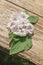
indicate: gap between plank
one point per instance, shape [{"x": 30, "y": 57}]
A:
[{"x": 24, "y": 8}]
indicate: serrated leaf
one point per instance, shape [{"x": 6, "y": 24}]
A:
[
  {"x": 33, "y": 19},
  {"x": 21, "y": 46}
]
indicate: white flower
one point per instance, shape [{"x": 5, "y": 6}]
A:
[
  {"x": 30, "y": 28},
  {"x": 19, "y": 24},
  {"x": 23, "y": 16}
]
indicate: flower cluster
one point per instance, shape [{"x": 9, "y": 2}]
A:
[{"x": 20, "y": 25}]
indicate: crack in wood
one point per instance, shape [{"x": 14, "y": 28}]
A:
[{"x": 24, "y": 8}]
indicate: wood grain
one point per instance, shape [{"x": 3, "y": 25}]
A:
[
  {"x": 35, "y": 6},
  {"x": 35, "y": 54}
]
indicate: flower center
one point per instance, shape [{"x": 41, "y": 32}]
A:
[{"x": 23, "y": 16}]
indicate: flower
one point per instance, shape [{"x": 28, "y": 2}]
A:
[{"x": 20, "y": 25}]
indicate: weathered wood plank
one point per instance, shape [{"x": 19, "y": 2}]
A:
[
  {"x": 35, "y": 54},
  {"x": 35, "y": 6}
]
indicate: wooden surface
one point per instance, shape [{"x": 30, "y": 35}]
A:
[
  {"x": 35, "y": 54},
  {"x": 35, "y": 6}
]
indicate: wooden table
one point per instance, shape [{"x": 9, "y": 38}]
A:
[{"x": 35, "y": 7}]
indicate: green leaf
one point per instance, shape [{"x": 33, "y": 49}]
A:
[
  {"x": 26, "y": 11},
  {"x": 10, "y": 34},
  {"x": 29, "y": 44},
  {"x": 33, "y": 19},
  {"x": 21, "y": 45},
  {"x": 12, "y": 37}
]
